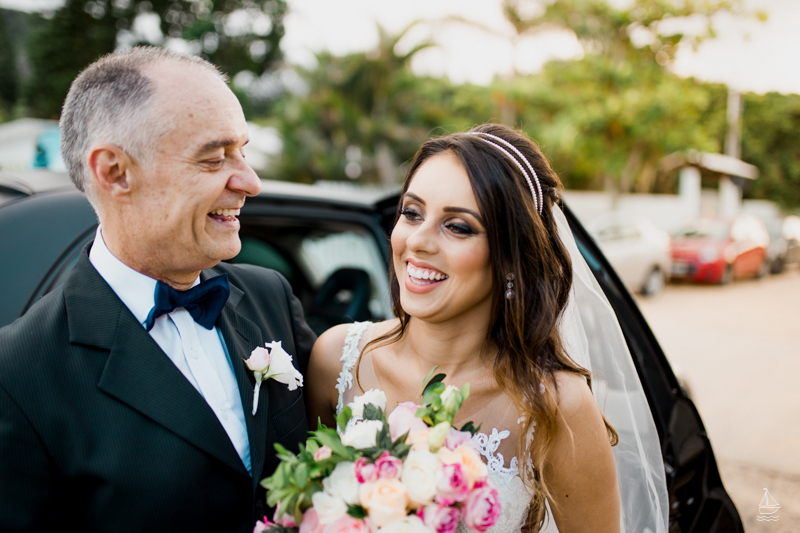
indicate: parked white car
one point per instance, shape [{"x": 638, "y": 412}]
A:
[{"x": 636, "y": 248}]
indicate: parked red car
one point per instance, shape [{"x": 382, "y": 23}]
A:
[{"x": 718, "y": 251}]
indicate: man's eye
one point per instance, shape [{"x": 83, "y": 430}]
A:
[{"x": 214, "y": 162}]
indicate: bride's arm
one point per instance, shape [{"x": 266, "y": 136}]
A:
[
  {"x": 580, "y": 472},
  {"x": 324, "y": 366}
]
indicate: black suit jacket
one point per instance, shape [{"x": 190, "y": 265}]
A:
[{"x": 99, "y": 431}]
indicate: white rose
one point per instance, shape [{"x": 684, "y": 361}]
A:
[
  {"x": 408, "y": 524},
  {"x": 419, "y": 475},
  {"x": 281, "y": 368},
  {"x": 329, "y": 508},
  {"x": 362, "y": 435},
  {"x": 448, "y": 397},
  {"x": 374, "y": 396},
  {"x": 343, "y": 483}
]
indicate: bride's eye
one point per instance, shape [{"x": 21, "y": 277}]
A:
[
  {"x": 410, "y": 214},
  {"x": 460, "y": 228}
]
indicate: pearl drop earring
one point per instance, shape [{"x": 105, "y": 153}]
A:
[{"x": 510, "y": 285}]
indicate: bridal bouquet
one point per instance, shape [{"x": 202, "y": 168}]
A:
[{"x": 410, "y": 472}]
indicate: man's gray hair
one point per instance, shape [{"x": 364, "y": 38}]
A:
[{"x": 109, "y": 102}]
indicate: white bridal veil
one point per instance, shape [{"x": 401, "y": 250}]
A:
[{"x": 593, "y": 339}]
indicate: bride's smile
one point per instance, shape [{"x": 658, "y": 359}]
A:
[{"x": 440, "y": 248}]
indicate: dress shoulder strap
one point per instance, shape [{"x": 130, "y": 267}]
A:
[{"x": 350, "y": 353}]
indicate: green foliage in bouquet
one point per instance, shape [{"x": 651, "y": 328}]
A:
[
  {"x": 441, "y": 403},
  {"x": 299, "y": 476}
]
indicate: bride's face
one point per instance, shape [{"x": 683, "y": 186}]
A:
[{"x": 440, "y": 248}]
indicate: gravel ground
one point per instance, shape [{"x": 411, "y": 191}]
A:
[{"x": 738, "y": 350}]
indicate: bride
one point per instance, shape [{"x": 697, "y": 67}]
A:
[{"x": 488, "y": 285}]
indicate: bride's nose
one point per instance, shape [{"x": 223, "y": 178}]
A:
[{"x": 423, "y": 239}]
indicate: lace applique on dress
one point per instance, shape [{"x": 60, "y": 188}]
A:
[
  {"x": 488, "y": 445},
  {"x": 348, "y": 359},
  {"x": 515, "y": 497}
]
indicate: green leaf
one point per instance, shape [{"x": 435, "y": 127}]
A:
[
  {"x": 301, "y": 475},
  {"x": 344, "y": 417},
  {"x": 434, "y": 381},
  {"x": 356, "y": 511},
  {"x": 426, "y": 381},
  {"x": 330, "y": 438},
  {"x": 470, "y": 426},
  {"x": 373, "y": 412}
]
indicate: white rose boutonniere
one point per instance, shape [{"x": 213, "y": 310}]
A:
[{"x": 272, "y": 362}]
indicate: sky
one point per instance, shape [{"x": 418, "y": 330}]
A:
[{"x": 747, "y": 54}]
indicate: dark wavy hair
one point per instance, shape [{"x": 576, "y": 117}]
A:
[{"x": 524, "y": 328}]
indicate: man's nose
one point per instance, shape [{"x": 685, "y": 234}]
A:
[{"x": 245, "y": 180}]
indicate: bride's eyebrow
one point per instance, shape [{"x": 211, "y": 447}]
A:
[
  {"x": 463, "y": 210},
  {"x": 446, "y": 209},
  {"x": 413, "y": 197}
]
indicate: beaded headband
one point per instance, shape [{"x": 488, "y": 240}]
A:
[{"x": 538, "y": 201}]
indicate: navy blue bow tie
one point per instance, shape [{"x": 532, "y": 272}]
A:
[{"x": 204, "y": 301}]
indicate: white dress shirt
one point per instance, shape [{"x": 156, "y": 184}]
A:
[{"x": 200, "y": 354}]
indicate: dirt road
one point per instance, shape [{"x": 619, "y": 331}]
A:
[{"x": 738, "y": 349}]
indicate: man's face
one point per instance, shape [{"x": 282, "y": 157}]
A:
[{"x": 184, "y": 209}]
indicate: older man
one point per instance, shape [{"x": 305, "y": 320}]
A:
[{"x": 125, "y": 402}]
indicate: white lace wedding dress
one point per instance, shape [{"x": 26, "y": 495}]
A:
[{"x": 515, "y": 497}]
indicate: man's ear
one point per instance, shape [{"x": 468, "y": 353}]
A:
[{"x": 111, "y": 170}]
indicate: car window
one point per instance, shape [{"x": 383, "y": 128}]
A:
[{"x": 336, "y": 269}]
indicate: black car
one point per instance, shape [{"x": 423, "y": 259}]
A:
[{"x": 332, "y": 245}]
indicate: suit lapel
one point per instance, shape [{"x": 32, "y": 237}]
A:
[
  {"x": 242, "y": 337},
  {"x": 137, "y": 371}
]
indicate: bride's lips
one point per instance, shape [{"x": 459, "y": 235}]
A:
[{"x": 421, "y": 278}]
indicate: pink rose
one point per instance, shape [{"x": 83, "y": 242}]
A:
[
  {"x": 365, "y": 471},
  {"x": 388, "y": 467},
  {"x": 286, "y": 520},
  {"x": 347, "y": 524},
  {"x": 262, "y": 526},
  {"x": 482, "y": 508},
  {"x": 323, "y": 453},
  {"x": 310, "y": 522},
  {"x": 456, "y": 438},
  {"x": 452, "y": 484},
  {"x": 402, "y": 420},
  {"x": 440, "y": 518}
]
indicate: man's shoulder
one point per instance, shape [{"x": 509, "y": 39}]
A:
[{"x": 42, "y": 327}]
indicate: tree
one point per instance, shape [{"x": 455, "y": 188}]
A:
[
  {"x": 608, "y": 117},
  {"x": 361, "y": 118},
  {"x": 8, "y": 69},
  {"x": 770, "y": 129},
  {"x": 236, "y": 35}
]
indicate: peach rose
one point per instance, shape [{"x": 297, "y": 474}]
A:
[
  {"x": 384, "y": 499},
  {"x": 347, "y": 524}
]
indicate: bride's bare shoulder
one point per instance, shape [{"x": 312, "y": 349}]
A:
[
  {"x": 326, "y": 356},
  {"x": 573, "y": 393}
]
